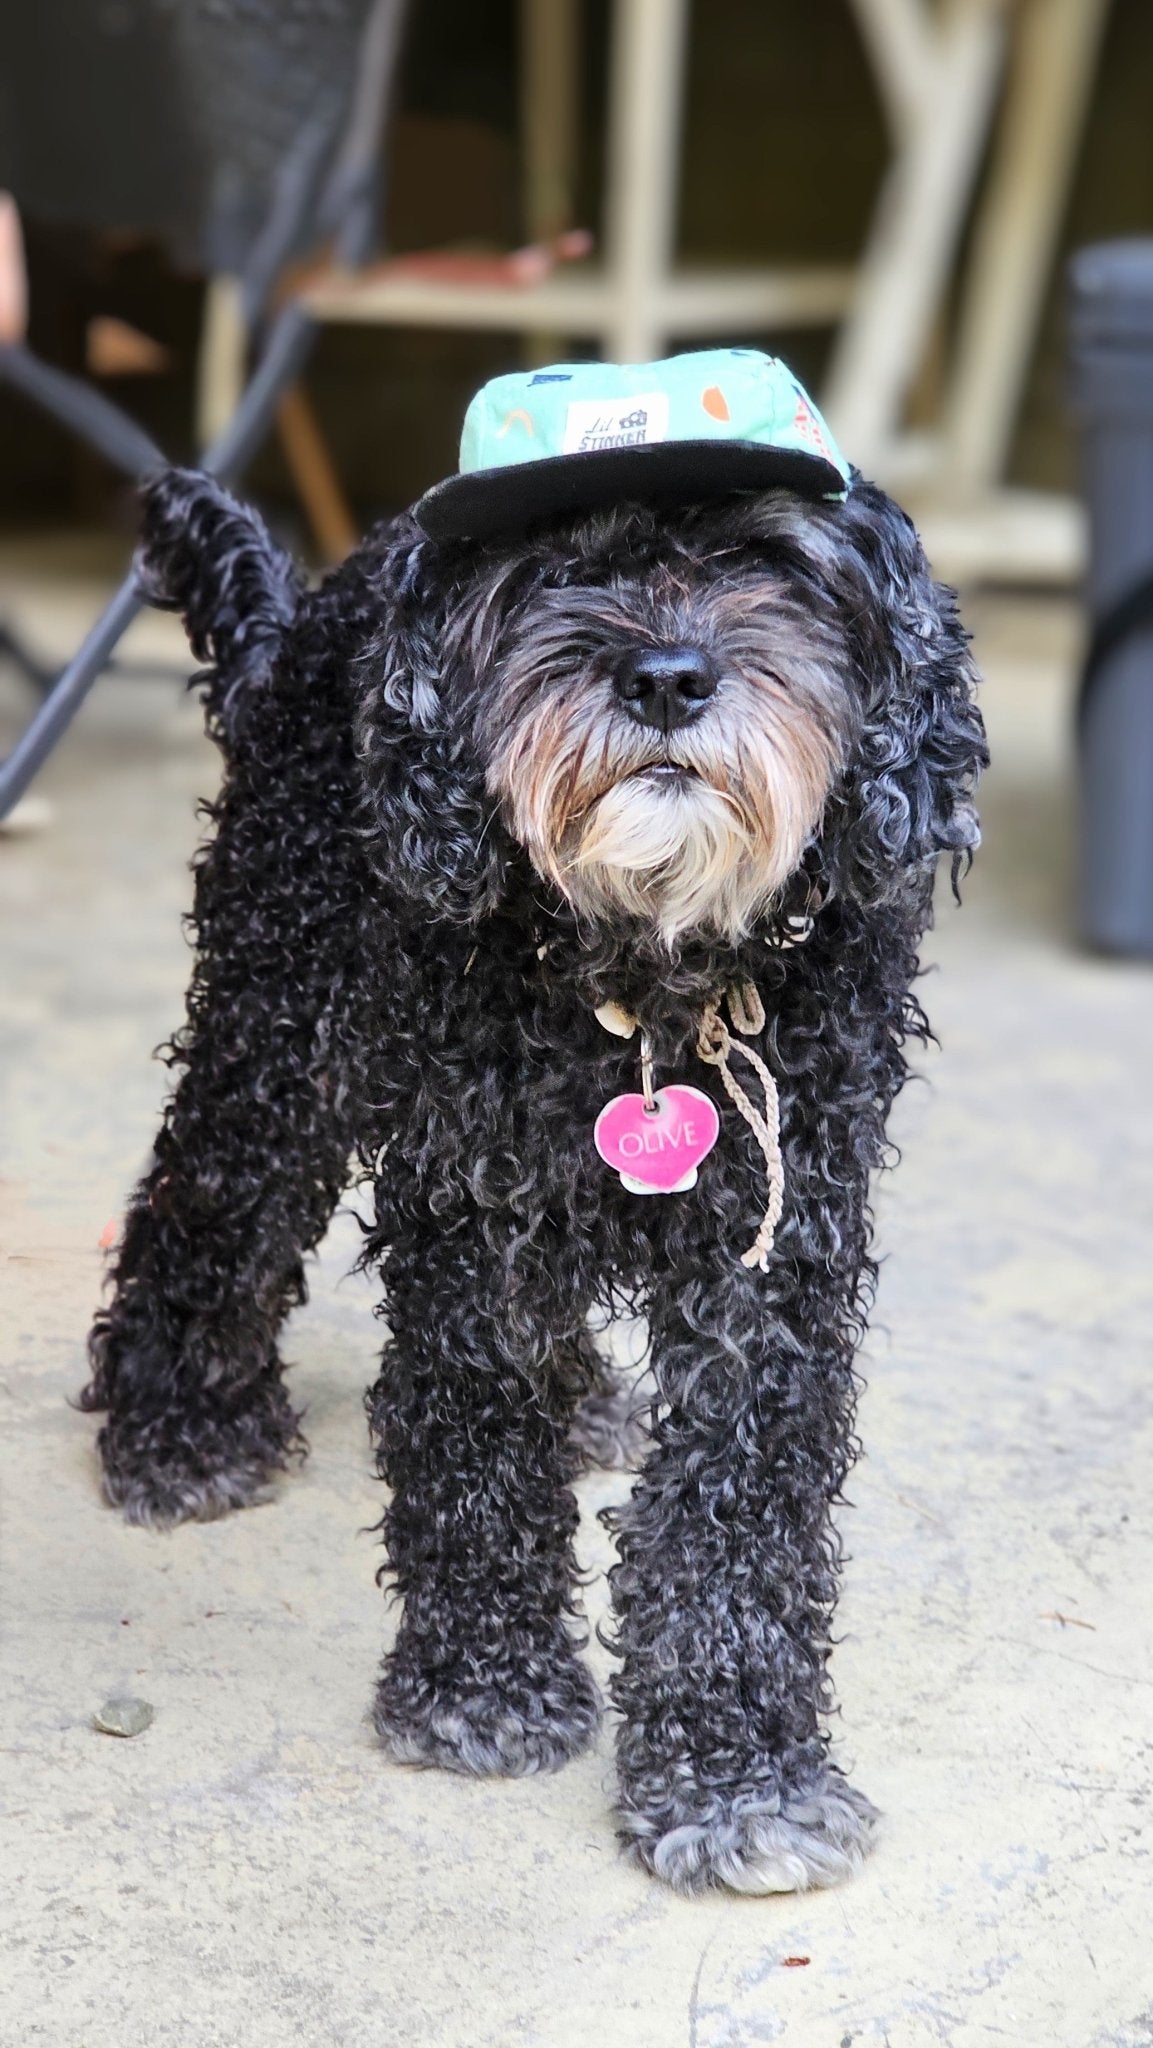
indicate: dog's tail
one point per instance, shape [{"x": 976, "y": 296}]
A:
[{"x": 204, "y": 554}]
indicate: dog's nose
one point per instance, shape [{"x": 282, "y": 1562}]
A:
[{"x": 665, "y": 686}]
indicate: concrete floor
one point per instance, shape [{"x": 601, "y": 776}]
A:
[{"x": 251, "y": 1871}]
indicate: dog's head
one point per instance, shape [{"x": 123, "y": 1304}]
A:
[{"x": 671, "y": 711}]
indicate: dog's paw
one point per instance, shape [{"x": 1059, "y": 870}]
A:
[
  {"x": 506, "y": 1726},
  {"x": 167, "y": 1492},
  {"x": 758, "y": 1841},
  {"x": 159, "y": 1471}
]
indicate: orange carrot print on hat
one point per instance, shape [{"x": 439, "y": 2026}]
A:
[{"x": 715, "y": 403}]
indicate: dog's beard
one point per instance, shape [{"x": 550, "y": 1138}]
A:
[
  {"x": 695, "y": 841},
  {"x": 679, "y": 854},
  {"x": 696, "y": 831}
]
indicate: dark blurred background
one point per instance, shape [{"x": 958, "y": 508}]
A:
[{"x": 784, "y": 148}]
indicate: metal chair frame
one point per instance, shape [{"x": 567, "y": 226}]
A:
[{"x": 344, "y": 213}]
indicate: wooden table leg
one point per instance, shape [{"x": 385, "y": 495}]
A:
[
  {"x": 647, "y": 68},
  {"x": 222, "y": 360},
  {"x": 1050, "y": 84},
  {"x": 917, "y": 227},
  {"x": 550, "y": 117}
]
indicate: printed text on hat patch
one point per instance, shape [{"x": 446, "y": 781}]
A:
[{"x": 593, "y": 423}]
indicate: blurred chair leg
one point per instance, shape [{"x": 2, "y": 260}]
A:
[
  {"x": 220, "y": 370},
  {"x": 314, "y": 476},
  {"x": 287, "y": 345},
  {"x": 58, "y": 710}
]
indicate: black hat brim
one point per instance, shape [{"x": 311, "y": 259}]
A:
[{"x": 490, "y": 502}]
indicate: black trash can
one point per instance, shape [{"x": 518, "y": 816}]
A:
[{"x": 1112, "y": 363}]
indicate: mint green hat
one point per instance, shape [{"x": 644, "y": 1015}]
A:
[{"x": 543, "y": 443}]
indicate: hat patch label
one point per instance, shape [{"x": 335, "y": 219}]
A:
[{"x": 595, "y": 423}]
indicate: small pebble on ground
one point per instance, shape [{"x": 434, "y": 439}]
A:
[{"x": 123, "y": 1717}]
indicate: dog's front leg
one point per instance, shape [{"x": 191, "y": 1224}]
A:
[
  {"x": 473, "y": 1410},
  {"x": 724, "y": 1594}
]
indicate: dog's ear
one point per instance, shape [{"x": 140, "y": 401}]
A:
[
  {"x": 204, "y": 554},
  {"x": 908, "y": 794},
  {"x": 437, "y": 838}
]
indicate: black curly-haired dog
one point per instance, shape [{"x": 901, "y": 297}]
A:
[{"x": 473, "y": 792}]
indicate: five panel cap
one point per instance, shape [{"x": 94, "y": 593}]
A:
[{"x": 544, "y": 443}]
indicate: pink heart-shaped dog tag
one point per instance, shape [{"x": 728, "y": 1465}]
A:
[{"x": 659, "y": 1149}]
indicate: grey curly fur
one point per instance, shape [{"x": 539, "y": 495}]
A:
[{"x": 370, "y": 978}]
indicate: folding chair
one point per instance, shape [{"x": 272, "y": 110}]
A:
[{"x": 320, "y": 183}]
